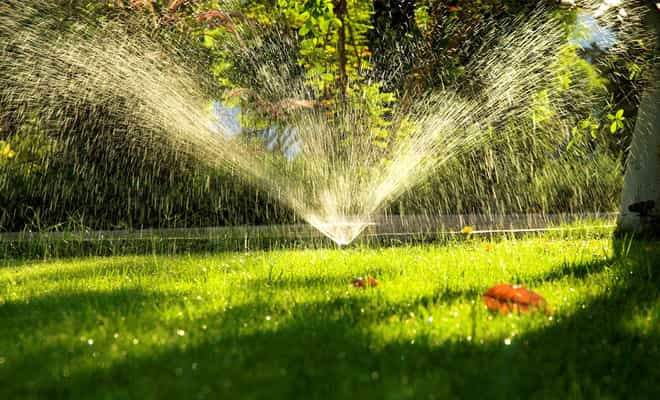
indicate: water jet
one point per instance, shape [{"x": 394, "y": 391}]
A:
[{"x": 330, "y": 166}]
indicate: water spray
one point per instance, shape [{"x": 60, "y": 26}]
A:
[{"x": 333, "y": 178}]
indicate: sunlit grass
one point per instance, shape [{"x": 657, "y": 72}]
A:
[{"x": 287, "y": 324}]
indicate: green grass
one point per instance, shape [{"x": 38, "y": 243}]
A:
[{"x": 287, "y": 324}]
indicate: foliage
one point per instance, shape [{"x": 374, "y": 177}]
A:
[
  {"x": 331, "y": 56},
  {"x": 333, "y": 48},
  {"x": 617, "y": 121},
  {"x": 336, "y": 54},
  {"x": 6, "y": 152}
]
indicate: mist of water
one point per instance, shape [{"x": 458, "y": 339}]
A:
[{"x": 330, "y": 173}]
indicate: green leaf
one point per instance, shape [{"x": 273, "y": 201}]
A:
[
  {"x": 619, "y": 114},
  {"x": 304, "y": 30},
  {"x": 613, "y": 127},
  {"x": 324, "y": 24},
  {"x": 380, "y": 144}
]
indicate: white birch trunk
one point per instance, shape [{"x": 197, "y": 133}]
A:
[{"x": 642, "y": 177}]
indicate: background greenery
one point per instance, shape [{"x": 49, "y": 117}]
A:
[{"x": 68, "y": 180}]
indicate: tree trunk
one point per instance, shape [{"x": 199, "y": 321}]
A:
[
  {"x": 340, "y": 10},
  {"x": 641, "y": 185}
]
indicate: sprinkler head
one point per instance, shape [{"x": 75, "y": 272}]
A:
[{"x": 342, "y": 232}]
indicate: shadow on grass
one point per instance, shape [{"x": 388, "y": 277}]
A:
[
  {"x": 46, "y": 312},
  {"x": 325, "y": 350},
  {"x": 578, "y": 271},
  {"x": 95, "y": 268}
]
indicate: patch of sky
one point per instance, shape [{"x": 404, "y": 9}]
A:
[
  {"x": 590, "y": 35},
  {"x": 226, "y": 121}
]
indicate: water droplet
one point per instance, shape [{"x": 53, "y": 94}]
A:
[
  {"x": 429, "y": 319},
  {"x": 267, "y": 318},
  {"x": 136, "y": 341},
  {"x": 180, "y": 332},
  {"x": 90, "y": 342},
  {"x": 507, "y": 341}
]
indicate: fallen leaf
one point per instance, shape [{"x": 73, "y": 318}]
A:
[
  {"x": 364, "y": 282},
  {"x": 505, "y": 299}
]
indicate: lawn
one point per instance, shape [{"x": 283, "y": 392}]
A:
[{"x": 287, "y": 324}]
